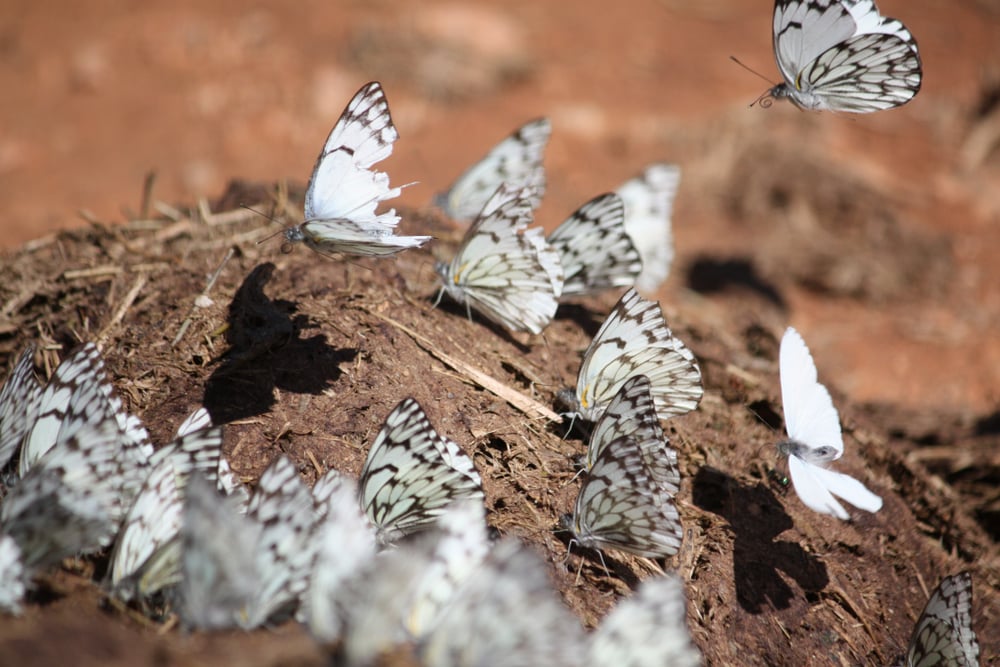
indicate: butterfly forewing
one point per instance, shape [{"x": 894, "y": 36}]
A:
[
  {"x": 407, "y": 481},
  {"x": 649, "y": 205},
  {"x": 594, "y": 250},
  {"x": 943, "y": 634},
  {"x": 517, "y": 161}
]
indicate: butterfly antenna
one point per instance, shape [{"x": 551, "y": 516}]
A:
[{"x": 767, "y": 99}]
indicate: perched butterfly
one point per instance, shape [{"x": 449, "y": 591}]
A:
[
  {"x": 511, "y": 584},
  {"x": 620, "y": 506},
  {"x": 344, "y": 190},
  {"x": 283, "y": 507},
  {"x": 649, "y": 205},
  {"x": 504, "y": 270},
  {"x": 595, "y": 251},
  {"x": 814, "y": 437},
  {"x": 517, "y": 161},
  {"x": 635, "y": 340},
  {"x": 345, "y": 545},
  {"x": 646, "y": 630},
  {"x": 412, "y": 474},
  {"x": 18, "y": 404},
  {"x": 841, "y": 55},
  {"x": 219, "y": 558},
  {"x": 631, "y": 413},
  {"x": 943, "y": 634},
  {"x": 12, "y": 576}
]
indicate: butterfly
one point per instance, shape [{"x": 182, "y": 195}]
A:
[
  {"x": 12, "y": 576},
  {"x": 18, "y": 404},
  {"x": 595, "y": 251},
  {"x": 344, "y": 190},
  {"x": 646, "y": 630},
  {"x": 503, "y": 270},
  {"x": 412, "y": 474},
  {"x": 621, "y": 506},
  {"x": 814, "y": 437},
  {"x": 510, "y": 584},
  {"x": 649, "y": 204},
  {"x": 632, "y": 413},
  {"x": 517, "y": 161},
  {"x": 943, "y": 634},
  {"x": 841, "y": 55},
  {"x": 635, "y": 340}
]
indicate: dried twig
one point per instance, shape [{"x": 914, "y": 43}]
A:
[
  {"x": 123, "y": 307},
  {"x": 199, "y": 300}
]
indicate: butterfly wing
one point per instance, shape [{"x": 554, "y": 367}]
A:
[
  {"x": 810, "y": 417},
  {"x": 635, "y": 340},
  {"x": 517, "y": 161},
  {"x": 943, "y": 634},
  {"x": 594, "y": 250},
  {"x": 18, "y": 404},
  {"x": 812, "y": 490},
  {"x": 12, "y": 576},
  {"x": 804, "y": 29},
  {"x": 649, "y": 204},
  {"x": 498, "y": 270}
]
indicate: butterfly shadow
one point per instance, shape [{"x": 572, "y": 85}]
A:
[
  {"x": 588, "y": 320},
  {"x": 458, "y": 310},
  {"x": 710, "y": 275},
  {"x": 267, "y": 352},
  {"x": 757, "y": 518}
]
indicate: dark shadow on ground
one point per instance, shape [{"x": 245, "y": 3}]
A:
[
  {"x": 710, "y": 275},
  {"x": 267, "y": 352},
  {"x": 757, "y": 518}
]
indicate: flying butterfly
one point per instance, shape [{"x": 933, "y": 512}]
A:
[
  {"x": 646, "y": 630},
  {"x": 621, "y": 507},
  {"x": 412, "y": 474},
  {"x": 842, "y": 55},
  {"x": 517, "y": 161},
  {"x": 814, "y": 437},
  {"x": 649, "y": 205},
  {"x": 635, "y": 340},
  {"x": 943, "y": 634},
  {"x": 594, "y": 249},
  {"x": 503, "y": 270},
  {"x": 344, "y": 190}
]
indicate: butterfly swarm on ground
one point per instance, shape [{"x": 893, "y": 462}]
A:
[
  {"x": 943, "y": 634},
  {"x": 595, "y": 251},
  {"x": 412, "y": 474},
  {"x": 635, "y": 340},
  {"x": 516, "y": 161},
  {"x": 841, "y": 55},
  {"x": 649, "y": 205},
  {"x": 814, "y": 437},
  {"x": 344, "y": 190},
  {"x": 503, "y": 270}
]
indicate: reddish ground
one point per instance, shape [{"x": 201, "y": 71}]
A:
[{"x": 876, "y": 236}]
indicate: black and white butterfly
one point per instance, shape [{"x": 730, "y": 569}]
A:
[
  {"x": 648, "y": 629},
  {"x": 516, "y": 161},
  {"x": 842, "y": 55},
  {"x": 503, "y": 270},
  {"x": 13, "y": 578},
  {"x": 943, "y": 634},
  {"x": 344, "y": 189},
  {"x": 594, "y": 249},
  {"x": 649, "y": 206},
  {"x": 635, "y": 340},
  {"x": 814, "y": 437},
  {"x": 412, "y": 474},
  {"x": 18, "y": 404},
  {"x": 621, "y": 506}
]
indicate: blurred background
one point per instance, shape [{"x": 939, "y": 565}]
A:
[{"x": 875, "y": 235}]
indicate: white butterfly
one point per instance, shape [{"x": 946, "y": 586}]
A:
[
  {"x": 646, "y": 630},
  {"x": 344, "y": 190},
  {"x": 620, "y": 506},
  {"x": 841, "y": 55},
  {"x": 511, "y": 584},
  {"x": 649, "y": 205},
  {"x": 18, "y": 404},
  {"x": 594, "y": 249},
  {"x": 517, "y": 161},
  {"x": 814, "y": 437},
  {"x": 412, "y": 474},
  {"x": 12, "y": 576},
  {"x": 635, "y": 340},
  {"x": 632, "y": 413},
  {"x": 504, "y": 270},
  {"x": 943, "y": 634}
]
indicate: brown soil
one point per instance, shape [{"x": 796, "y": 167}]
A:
[{"x": 874, "y": 236}]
